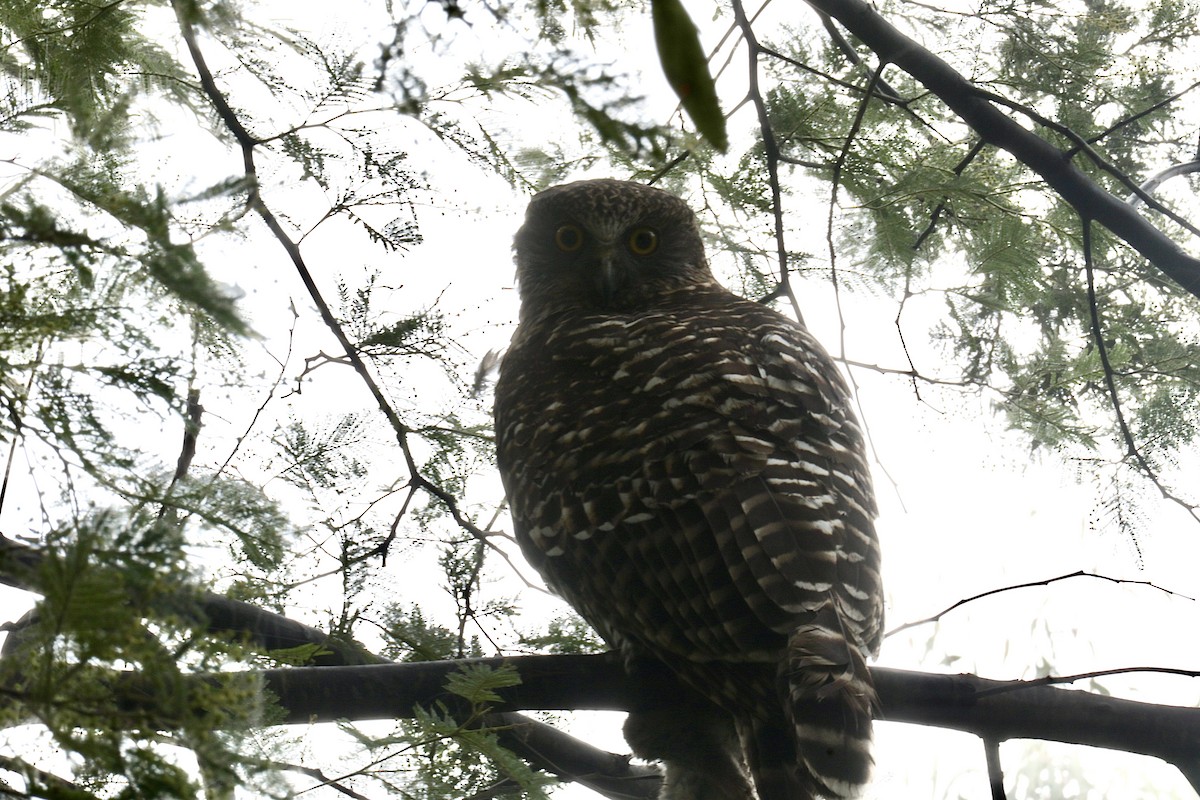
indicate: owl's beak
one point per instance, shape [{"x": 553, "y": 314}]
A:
[{"x": 610, "y": 276}]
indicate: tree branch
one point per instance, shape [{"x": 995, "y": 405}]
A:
[
  {"x": 541, "y": 745},
  {"x": 1027, "y": 585},
  {"x": 991, "y": 749},
  {"x": 996, "y": 128},
  {"x": 1132, "y": 451},
  {"x": 993, "y": 710},
  {"x": 184, "y": 13},
  {"x": 369, "y": 689},
  {"x": 770, "y": 151},
  {"x": 1151, "y": 184}
]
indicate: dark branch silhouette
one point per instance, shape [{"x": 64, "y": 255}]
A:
[
  {"x": 998, "y": 129},
  {"x": 1028, "y": 585},
  {"x": 349, "y": 683},
  {"x": 993, "y": 710}
]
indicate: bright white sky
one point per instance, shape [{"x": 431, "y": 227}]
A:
[{"x": 965, "y": 508}]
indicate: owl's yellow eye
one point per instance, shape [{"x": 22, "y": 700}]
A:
[
  {"x": 643, "y": 241},
  {"x": 568, "y": 238}
]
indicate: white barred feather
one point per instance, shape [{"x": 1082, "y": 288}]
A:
[{"x": 683, "y": 467}]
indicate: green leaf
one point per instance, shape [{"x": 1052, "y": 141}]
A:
[
  {"x": 686, "y": 69},
  {"x": 478, "y": 684}
]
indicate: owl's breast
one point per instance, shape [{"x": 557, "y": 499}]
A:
[{"x": 607, "y": 420}]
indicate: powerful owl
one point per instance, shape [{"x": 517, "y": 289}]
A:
[{"x": 683, "y": 467}]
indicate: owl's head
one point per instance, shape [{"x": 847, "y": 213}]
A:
[{"x": 606, "y": 245}]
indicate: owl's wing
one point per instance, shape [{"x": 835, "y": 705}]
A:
[
  {"x": 803, "y": 515},
  {"x": 761, "y": 491},
  {"x": 694, "y": 484},
  {"x": 786, "y": 500},
  {"x": 705, "y": 468}
]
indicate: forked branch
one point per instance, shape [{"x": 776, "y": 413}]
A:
[{"x": 997, "y": 128}]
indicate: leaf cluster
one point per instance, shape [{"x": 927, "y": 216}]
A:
[
  {"x": 114, "y": 606},
  {"x": 927, "y": 207}
]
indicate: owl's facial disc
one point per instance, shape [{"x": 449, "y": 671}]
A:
[
  {"x": 607, "y": 245},
  {"x": 607, "y": 258}
]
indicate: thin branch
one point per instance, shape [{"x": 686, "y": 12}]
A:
[
  {"x": 248, "y": 143},
  {"x": 854, "y": 58},
  {"x": 262, "y": 407},
  {"x": 835, "y": 184},
  {"x": 193, "y": 421},
  {"x": 912, "y": 373},
  {"x": 833, "y": 80},
  {"x": 1061, "y": 680},
  {"x": 1151, "y": 184},
  {"x": 14, "y": 413},
  {"x": 40, "y": 780},
  {"x": 770, "y": 149},
  {"x": 1030, "y": 584},
  {"x": 60, "y": 30},
  {"x": 991, "y": 749},
  {"x": 975, "y": 150},
  {"x": 1110, "y": 383},
  {"x": 312, "y": 772},
  {"x": 1135, "y": 117}
]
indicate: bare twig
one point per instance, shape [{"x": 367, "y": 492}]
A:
[
  {"x": 193, "y": 421},
  {"x": 14, "y": 413},
  {"x": 1135, "y": 117},
  {"x": 835, "y": 184},
  {"x": 1151, "y": 184},
  {"x": 1059, "y": 680},
  {"x": 770, "y": 149},
  {"x": 316, "y": 774},
  {"x": 1028, "y": 585}
]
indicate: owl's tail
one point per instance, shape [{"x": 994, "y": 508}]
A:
[{"x": 830, "y": 701}]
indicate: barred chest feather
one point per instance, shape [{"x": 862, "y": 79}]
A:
[
  {"x": 620, "y": 438},
  {"x": 684, "y": 469}
]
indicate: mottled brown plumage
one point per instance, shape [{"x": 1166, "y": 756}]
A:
[{"x": 683, "y": 467}]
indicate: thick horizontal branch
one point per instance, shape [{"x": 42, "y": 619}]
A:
[
  {"x": 991, "y": 709},
  {"x": 350, "y": 687},
  {"x": 1000, "y": 130},
  {"x": 541, "y": 745}
]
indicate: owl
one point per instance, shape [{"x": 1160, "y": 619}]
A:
[{"x": 683, "y": 467}]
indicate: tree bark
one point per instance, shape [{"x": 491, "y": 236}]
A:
[
  {"x": 993, "y": 710},
  {"x": 990, "y": 709}
]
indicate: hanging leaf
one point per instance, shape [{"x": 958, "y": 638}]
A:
[{"x": 686, "y": 69}]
